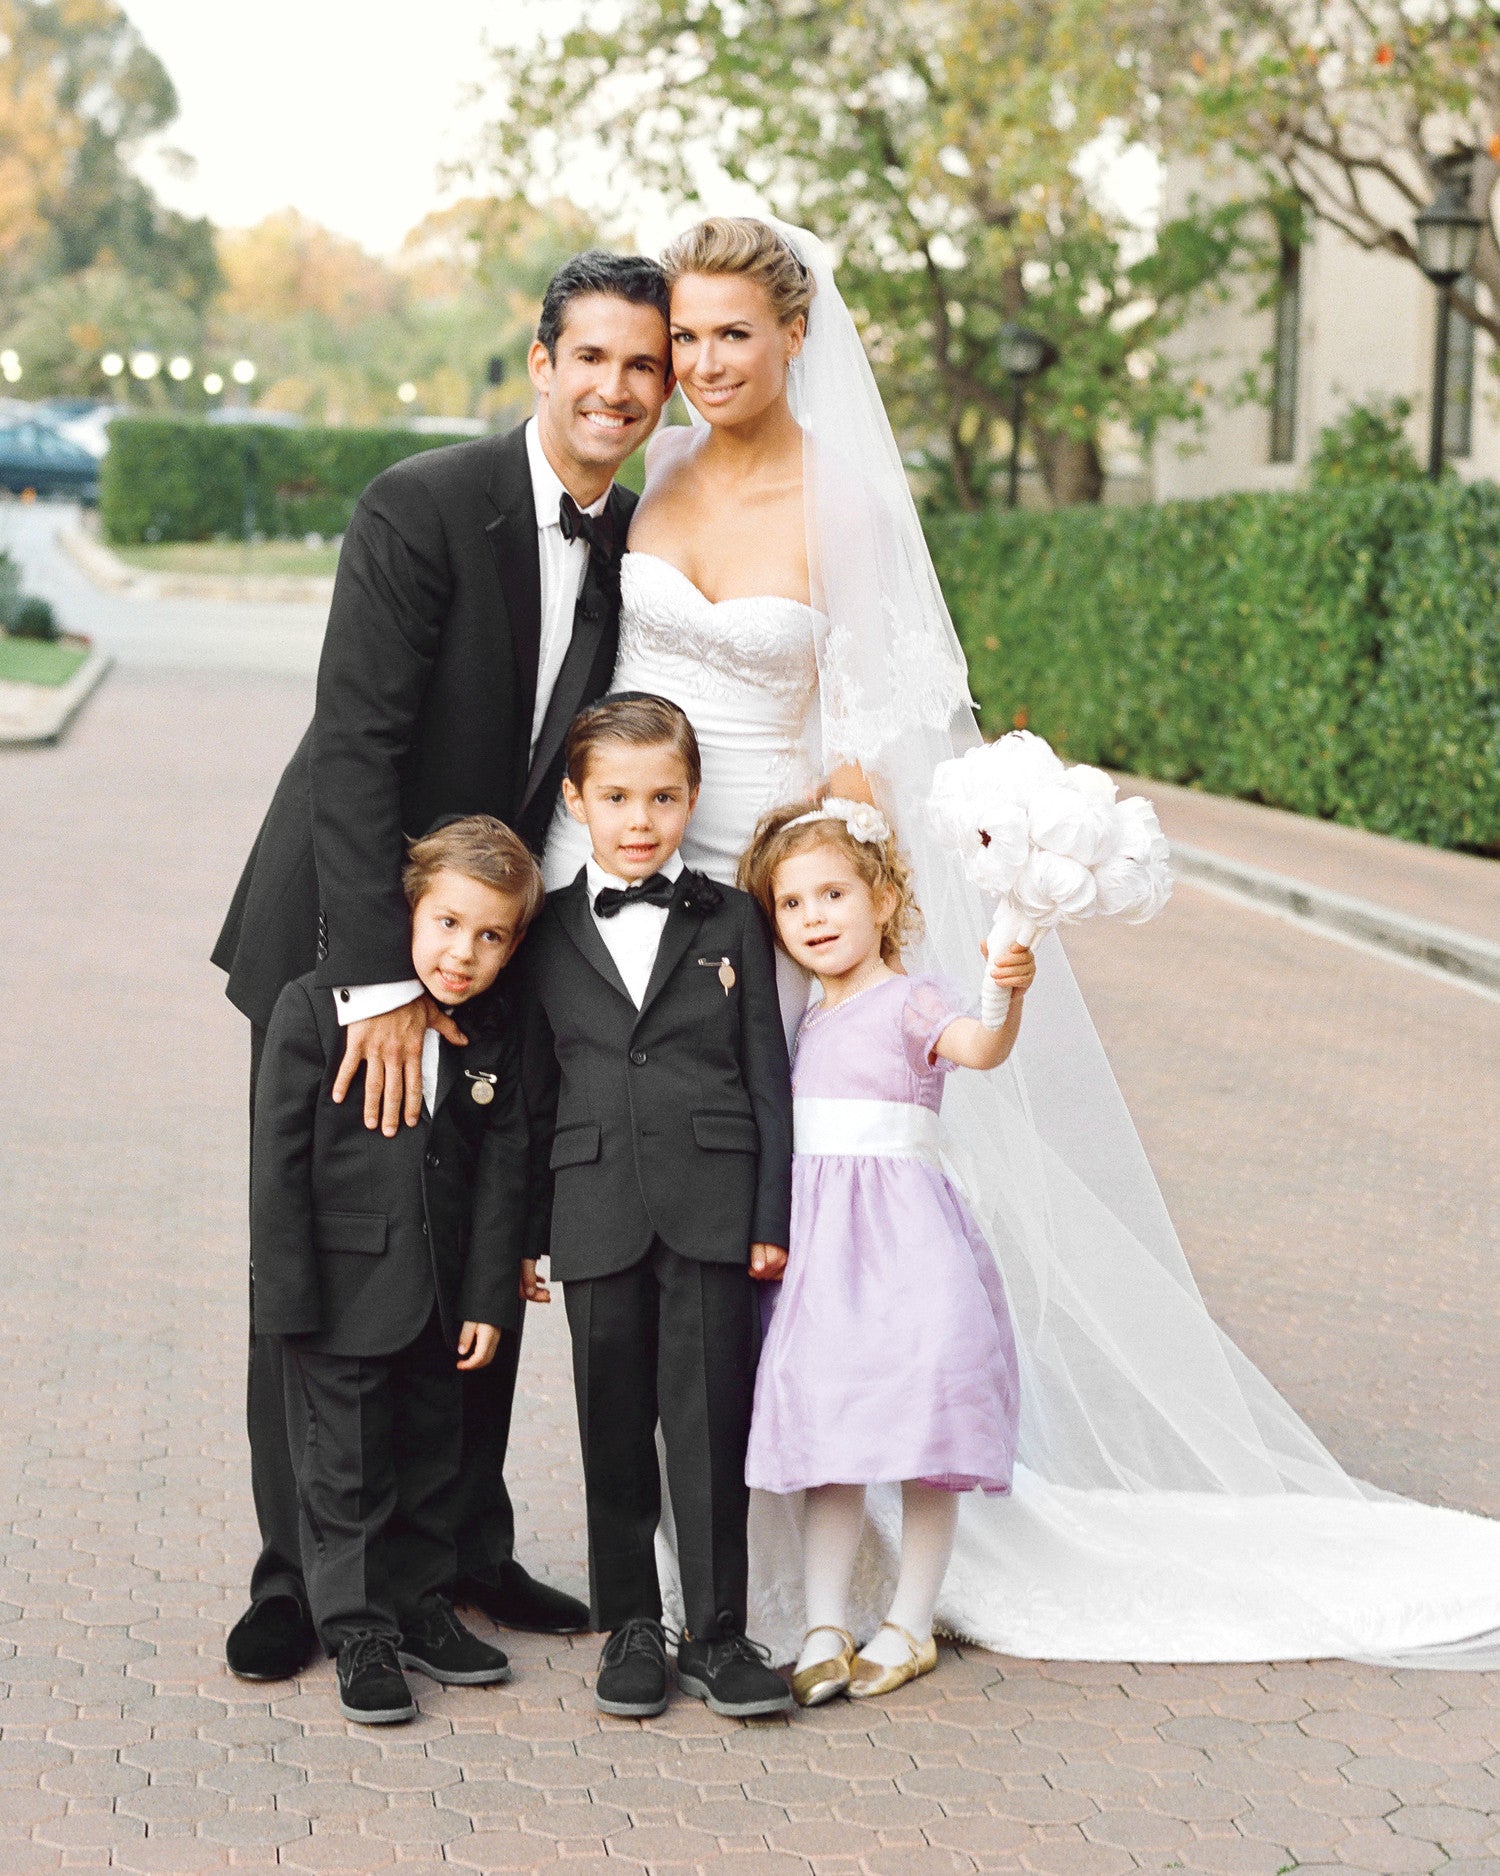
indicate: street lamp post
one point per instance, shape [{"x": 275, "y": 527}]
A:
[
  {"x": 1024, "y": 355},
  {"x": 1447, "y": 236}
]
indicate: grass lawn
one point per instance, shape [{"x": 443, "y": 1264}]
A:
[
  {"x": 35, "y": 661},
  {"x": 233, "y": 557}
]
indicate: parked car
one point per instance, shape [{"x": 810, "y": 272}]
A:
[
  {"x": 83, "y": 420},
  {"x": 37, "y": 458}
]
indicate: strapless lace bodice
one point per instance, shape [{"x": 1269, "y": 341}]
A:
[
  {"x": 759, "y": 652},
  {"x": 746, "y": 673}
]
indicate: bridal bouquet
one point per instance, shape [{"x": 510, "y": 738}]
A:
[{"x": 1054, "y": 842}]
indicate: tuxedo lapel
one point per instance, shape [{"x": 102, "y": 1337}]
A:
[
  {"x": 677, "y": 934},
  {"x": 446, "y": 1076},
  {"x": 576, "y": 919},
  {"x": 513, "y": 543},
  {"x": 592, "y": 618}
]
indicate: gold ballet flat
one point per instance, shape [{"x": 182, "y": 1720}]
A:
[
  {"x": 825, "y": 1680},
  {"x": 870, "y": 1679}
]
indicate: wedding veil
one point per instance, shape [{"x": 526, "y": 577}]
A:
[{"x": 1169, "y": 1505}]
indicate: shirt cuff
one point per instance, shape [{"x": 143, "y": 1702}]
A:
[{"x": 357, "y": 1003}]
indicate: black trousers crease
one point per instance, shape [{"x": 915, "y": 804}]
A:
[{"x": 670, "y": 1341}]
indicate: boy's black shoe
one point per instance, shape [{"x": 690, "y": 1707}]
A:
[
  {"x": 438, "y": 1645},
  {"x": 632, "y": 1678},
  {"x": 273, "y": 1640},
  {"x": 372, "y": 1688},
  {"x": 733, "y": 1675}
]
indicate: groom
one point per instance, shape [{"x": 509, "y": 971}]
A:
[{"x": 474, "y": 612}]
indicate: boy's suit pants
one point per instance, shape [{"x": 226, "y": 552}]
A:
[
  {"x": 375, "y": 1445},
  {"x": 674, "y": 1340}
]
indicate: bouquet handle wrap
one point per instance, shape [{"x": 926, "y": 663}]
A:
[{"x": 1010, "y": 928}]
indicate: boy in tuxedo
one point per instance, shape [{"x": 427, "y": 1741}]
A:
[
  {"x": 389, "y": 1267},
  {"x": 661, "y": 1111}
]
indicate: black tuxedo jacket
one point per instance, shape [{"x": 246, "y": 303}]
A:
[
  {"x": 353, "y": 1236},
  {"x": 671, "y": 1121},
  {"x": 426, "y": 689}
]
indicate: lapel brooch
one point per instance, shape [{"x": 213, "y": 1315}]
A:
[{"x": 700, "y": 896}]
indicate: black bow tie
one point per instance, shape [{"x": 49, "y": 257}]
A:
[
  {"x": 598, "y": 530},
  {"x": 657, "y": 890}
]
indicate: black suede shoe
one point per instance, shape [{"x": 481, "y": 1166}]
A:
[
  {"x": 372, "y": 1688},
  {"x": 632, "y": 1678},
  {"x": 733, "y": 1675},
  {"x": 515, "y": 1599},
  {"x": 438, "y": 1645},
  {"x": 273, "y": 1640}
]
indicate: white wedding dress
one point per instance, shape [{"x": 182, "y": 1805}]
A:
[{"x": 1168, "y": 1504}]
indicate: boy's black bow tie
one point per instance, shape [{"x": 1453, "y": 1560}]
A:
[
  {"x": 657, "y": 890},
  {"x": 598, "y": 530}
]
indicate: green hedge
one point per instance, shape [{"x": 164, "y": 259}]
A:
[
  {"x": 170, "y": 479},
  {"x": 1336, "y": 652}
]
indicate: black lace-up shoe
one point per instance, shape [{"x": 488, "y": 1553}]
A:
[
  {"x": 372, "y": 1688},
  {"x": 438, "y": 1645},
  {"x": 632, "y": 1678},
  {"x": 733, "y": 1675}
]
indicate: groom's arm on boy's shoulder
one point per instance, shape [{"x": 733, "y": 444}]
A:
[
  {"x": 390, "y": 598},
  {"x": 497, "y": 1237},
  {"x": 768, "y": 1079},
  {"x": 283, "y": 1266}
]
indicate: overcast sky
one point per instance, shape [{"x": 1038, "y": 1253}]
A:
[{"x": 343, "y": 109}]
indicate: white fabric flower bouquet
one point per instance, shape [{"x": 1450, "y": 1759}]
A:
[{"x": 1054, "y": 842}]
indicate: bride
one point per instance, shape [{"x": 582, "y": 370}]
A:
[{"x": 1168, "y": 1504}]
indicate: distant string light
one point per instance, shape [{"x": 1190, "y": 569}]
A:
[
  {"x": 242, "y": 371},
  {"x": 10, "y": 366},
  {"x": 144, "y": 365},
  {"x": 180, "y": 369},
  {"x": 407, "y": 392},
  {"x": 111, "y": 364},
  {"x": 213, "y": 384}
]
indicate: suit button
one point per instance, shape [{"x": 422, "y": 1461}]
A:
[
  {"x": 638, "y": 1056},
  {"x": 433, "y": 1160}
]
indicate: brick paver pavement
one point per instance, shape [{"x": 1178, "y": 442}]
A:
[{"x": 1319, "y": 1121}]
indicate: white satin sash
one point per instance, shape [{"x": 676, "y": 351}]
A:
[{"x": 829, "y": 1124}]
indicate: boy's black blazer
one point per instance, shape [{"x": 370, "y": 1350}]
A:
[
  {"x": 426, "y": 688},
  {"x": 671, "y": 1121},
  {"x": 352, "y": 1235}
]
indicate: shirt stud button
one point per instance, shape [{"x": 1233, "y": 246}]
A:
[{"x": 638, "y": 1056}]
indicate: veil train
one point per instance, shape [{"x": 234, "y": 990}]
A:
[{"x": 1168, "y": 1504}]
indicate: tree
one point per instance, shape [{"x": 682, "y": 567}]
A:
[
  {"x": 944, "y": 148},
  {"x": 79, "y": 94},
  {"x": 1353, "y": 109}
]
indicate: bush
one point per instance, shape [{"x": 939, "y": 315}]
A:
[
  {"x": 168, "y": 479},
  {"x": 34, "y": 618},
  {"x": 1367, "y": 444},
  {"x": 1335, "y": 652},
  {"x": 10, "y": 589}
]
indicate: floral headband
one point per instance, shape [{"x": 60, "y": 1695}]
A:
[{"x": 865, "y": 823}]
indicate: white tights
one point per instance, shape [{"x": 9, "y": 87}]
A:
[{"x": 833, "y": 1520}]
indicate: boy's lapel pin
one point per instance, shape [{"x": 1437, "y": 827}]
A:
[
  {"x": 726, "y": 971},
  {"x": 482, "y": 1085}
]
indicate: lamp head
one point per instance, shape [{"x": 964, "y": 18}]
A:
[
  {"x": 1448, "y": 229},
  {"x": 1024, "y": 353}
]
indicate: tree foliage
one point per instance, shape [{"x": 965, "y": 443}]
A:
[
  {"x": 79, "y": 94},
  {"x": 948, "y": 149},
  {"x": 1353, "y": 109}
]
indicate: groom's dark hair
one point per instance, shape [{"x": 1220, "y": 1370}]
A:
[{"x": 626, "y": 276}]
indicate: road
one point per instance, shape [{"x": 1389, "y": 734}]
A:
[{"x": 1322, "y": 1124}]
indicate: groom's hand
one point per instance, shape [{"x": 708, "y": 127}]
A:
[{"x": 390, "y": 1049}]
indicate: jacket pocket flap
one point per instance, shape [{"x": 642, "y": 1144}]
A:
[
  {"x": 726, "y": 1133},
  {"x": 575, "y": 1146},
  {"x": 361, "y": 1232}
]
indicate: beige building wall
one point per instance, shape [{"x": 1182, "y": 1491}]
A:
[{"x": 1367, "y": 330}]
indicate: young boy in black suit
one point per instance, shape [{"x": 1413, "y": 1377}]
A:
[
  {"x": 390, "y": 1266},
  {"x": 661, "y": 1101}
]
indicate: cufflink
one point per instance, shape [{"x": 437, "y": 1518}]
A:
[{"x": 343, "y": 996}]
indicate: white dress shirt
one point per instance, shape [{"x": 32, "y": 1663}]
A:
[
  {"x": 633, "y": 936},
  {"x": 563, "y": 565},
  {"x": 431, "y": 1047}
]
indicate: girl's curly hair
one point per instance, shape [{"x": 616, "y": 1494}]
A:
[{"x": 879, "y": 863}]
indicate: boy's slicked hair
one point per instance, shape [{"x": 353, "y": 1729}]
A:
[
  {"x": 632, "y": 277},
  {"x": 634, "y": 717},
  {"x": 481, "y": 848}
]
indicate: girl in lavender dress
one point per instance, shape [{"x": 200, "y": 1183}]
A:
[{"x": 890, "y": 1355}]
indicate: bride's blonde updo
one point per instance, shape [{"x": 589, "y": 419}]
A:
[{"x": 739, "y": 244}]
